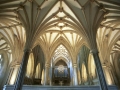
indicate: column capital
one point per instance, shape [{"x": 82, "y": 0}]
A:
[
  {"x": 28, "y": 50},
  {"x": 14, "y": 64},
  {"x": 75, "y": 65},
  {"x": 106, "y": 66},
  {"x": 94, "y": 51},
  {"x": 47, "y": 65}
]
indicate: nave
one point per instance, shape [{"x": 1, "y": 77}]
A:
[{"x": 59, "y": 43}]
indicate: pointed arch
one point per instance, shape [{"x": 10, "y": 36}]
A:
[
  {"x": 39, "y": 57},
  {"x": 61, "y": 51},
  {"x": 4, "y": 66},
  {"x": 61, "y": 58},
  {"x": 83, "y": 55},
  {"x": 81, "y": 45},
  {"x": 60, "y": 41}
]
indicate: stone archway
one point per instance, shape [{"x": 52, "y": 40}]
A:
[{"x": 61, "y": 73}]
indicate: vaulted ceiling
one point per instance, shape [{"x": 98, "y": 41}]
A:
[{"x": 54, "y": 22}]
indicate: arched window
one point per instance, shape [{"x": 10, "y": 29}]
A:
[
  {"x": 61, "y": 51},
  {"x": 92, "y": 67},
  {"x": 30, "y": 66},
  {"x": 79, "y": 77},
  {"x": 37, "y": 74},
  {"x": 84, "y": 73}
]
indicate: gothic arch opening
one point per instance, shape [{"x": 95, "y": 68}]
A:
[
  {"x": 93, "y": 79},
  {"x": 30, "y": 70},
  {"x": 35, "y": 66},
  {"x": 84, "y": 74},
  {"x": 44, "y": 25},
  {"x": 61, "y": 73},
  {"x": 86, "y": 67},
  {"x": 4, "y": 62},
  {"x": 61, "y": 66},
  {"x": 39, "y": 64}
]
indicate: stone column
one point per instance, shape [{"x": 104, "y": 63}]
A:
[
  {"x": 51, "y": 72},
  {"x": 114, "y": 77},
  {"x": 81, "y": 78},
  {"x": 91, "y": 79},
  {"x": 11, "y": 69},
  {"x": 103, "y": 84},
  {"x": 109, "y": 78},
  {"x": 22, "y": 70},
  {"x": 111, "y": 74},
  {"x": 13, "y": 74},
  {"x": 51, "y": 75},
  {"x": 75, "y": 75},
  {"x": 41, "y": 69},
  {"x": 88, "y": 76},
  {"x": 46, "y": 77}
]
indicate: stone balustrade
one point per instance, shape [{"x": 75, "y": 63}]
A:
[{"x": 39, "y": 87}]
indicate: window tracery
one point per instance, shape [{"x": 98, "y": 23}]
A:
[{"x": 61, "y": 51}]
